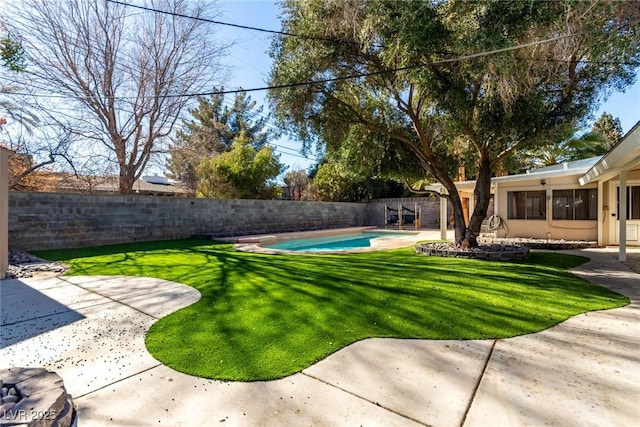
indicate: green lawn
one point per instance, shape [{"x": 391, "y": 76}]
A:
[{"x": 268, "y": 316}]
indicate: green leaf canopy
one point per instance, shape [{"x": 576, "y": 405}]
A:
[{"x": 441, "y": 83}]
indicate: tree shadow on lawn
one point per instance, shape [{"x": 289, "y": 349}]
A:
[
  {"x": 267, "y": 316},
  {"x": 331, "y": 301}
]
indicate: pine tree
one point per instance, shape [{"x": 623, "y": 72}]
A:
[{"x": 212, "y": 131}]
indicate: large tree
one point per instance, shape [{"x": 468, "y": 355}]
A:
[
  {"x": 444, "y": 80},
  {"x": 241, "y": 173},
  {"x": 212, "y": 130},
  {"x": 122, "y": 75}
]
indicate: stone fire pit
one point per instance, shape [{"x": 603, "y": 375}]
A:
[{"x": 34, "y": 397}]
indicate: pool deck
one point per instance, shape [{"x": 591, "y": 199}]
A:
[
  {"x": 399, "y": 239},
  {"x": 90, "y": 330}
]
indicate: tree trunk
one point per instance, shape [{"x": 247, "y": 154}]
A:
[
  {"x": 482, "y": 195},
  {"x": 459, "y": 225},
  {"x": 125, "y": 181}
]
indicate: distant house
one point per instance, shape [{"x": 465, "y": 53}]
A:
[
  {"x": 593, "y": 199},
  {"x": 150, "y": 185},
  {"x": 64, "y": 182}
]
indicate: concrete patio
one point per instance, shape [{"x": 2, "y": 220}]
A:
[{"x": 90, "y": 330}]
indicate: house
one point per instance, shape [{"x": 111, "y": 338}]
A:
[
  {"x": 148, "y": 185},
  {"x": 548, "y": 203},
  {"x": 592, "y": 199},
  {"x": 617, "y": 176}
]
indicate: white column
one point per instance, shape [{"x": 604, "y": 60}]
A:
[
  {"x": 622, "y": 216},
  {"x": 443, "y": 216},
  {"x": 4, "y": 212},
  {"x": 602, "y": 217},
  {"x": 495, "y": 199}
]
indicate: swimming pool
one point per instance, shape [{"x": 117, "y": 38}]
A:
[{"x": 335, "y": 243}]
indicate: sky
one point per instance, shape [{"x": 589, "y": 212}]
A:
[{"x": 250, "y": 65}]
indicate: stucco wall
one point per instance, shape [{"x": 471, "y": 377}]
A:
[
  {"x": 547, "y": 228},
  {"x": 54, "y": 220},
  {"x": 611, "y": 225}
]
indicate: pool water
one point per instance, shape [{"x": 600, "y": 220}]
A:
[{"x": 342, "y": 242}]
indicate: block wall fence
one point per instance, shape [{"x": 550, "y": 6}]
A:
[{"x": 39, "y": 221}]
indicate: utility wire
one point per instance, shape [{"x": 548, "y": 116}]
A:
[
  {"x": 356, "y": 75},
  {"x": 240, "y": 90},
  {"x": 352, "y": 76},
  {"x": 229, "y": 24},
  {"x": 268, "y": 121}
]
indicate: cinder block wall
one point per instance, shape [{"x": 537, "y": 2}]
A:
[{"x": 54, "y": 220}]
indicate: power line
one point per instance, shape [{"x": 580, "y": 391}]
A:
[
  {"x": 308, "y": 83},
  {"x": 408, "y": 67},
  {"x": 229, "y": 24},
  {"x": 267, "y": 121},
  {"x": 358, "y": 75}
]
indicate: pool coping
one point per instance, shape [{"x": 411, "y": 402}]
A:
[{"x": 253, "y": 243}]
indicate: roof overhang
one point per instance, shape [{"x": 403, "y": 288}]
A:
[
  {"x": 623, "y": 156},
  {"x": 537, "y": 175},
  {"x": 467, "y": 186},
  {"x": 574, "y": 169}
]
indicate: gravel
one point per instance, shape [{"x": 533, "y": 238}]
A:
[
  {"x": 499, "y": 249},
  {"x": 482, "y": 247},
  {"x": 552, "y": 244},
  {"x": 23, "y": 264}
]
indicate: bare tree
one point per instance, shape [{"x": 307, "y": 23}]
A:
[
  {"x": 33, "y": 156},
  {"x": 122, "y": 73},
  {"x": 297, "y": 182}
]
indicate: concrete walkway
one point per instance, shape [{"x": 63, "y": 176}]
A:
[{"x": 90, "y": 330}]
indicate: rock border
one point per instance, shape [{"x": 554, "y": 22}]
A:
[
  {"x": 546, "y": 244},
  {"x": 24, "y": 265},
  {"x": 483, "y": 252},
  {"x": 43, "y": 400}
]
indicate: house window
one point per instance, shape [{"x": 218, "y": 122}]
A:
[
  {"x": 579, "y": 204},
  {"x": 633, "y": 202},
  {"x": 526, "y": 205}
]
